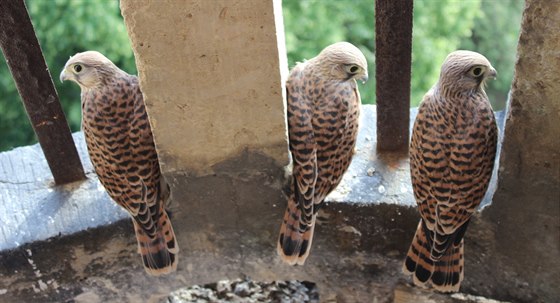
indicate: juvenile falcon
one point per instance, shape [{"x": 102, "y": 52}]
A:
[
  {"x": 323, "y": 109},
  {"x": 452, "y": 154},
  {"x": 121, "y": 148}
]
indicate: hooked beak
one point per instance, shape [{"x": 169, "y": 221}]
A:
[
  {"x": 63, "y": 76},
  {"x": 492, "y": 73},
  {"x": 364, "y": 78}
]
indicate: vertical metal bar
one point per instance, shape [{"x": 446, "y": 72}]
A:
[
  {"x": 393, "y": 53},
  {"x": 29, "y": 70}
]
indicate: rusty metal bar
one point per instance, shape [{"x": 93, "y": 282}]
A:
[
  {"x": 393, "y": 53},
  {"x": 29, "y": 70}
]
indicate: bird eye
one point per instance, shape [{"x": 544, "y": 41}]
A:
[
  {"x": 354, "y": 69},
  {"x": 78, "y": 68},
  {"x": 477, "y": 71}
]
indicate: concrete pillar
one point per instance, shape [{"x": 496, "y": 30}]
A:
[
  {"x": 212, "y": 74},
  {"x": 526, "y": 206}
]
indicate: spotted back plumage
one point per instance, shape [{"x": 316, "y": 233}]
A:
[
  {"x": 121, "y": 148},
  {"x": 452, "y": 153},
  {"x": 323, "y": 111}
]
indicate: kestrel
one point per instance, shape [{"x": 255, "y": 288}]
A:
[
  {"x": 452, "y": 155},
  {"x": 121, "y": 148},
  {"x": 323, "y": 111}
]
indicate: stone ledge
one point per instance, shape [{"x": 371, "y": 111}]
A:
[
  {"x": 226, "y": 224},
  {"x": 33, "y": 209},
  {"x": 374, "y": 178}
]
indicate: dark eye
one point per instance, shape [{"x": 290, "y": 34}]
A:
[
  {"x": 78, "y": 68},
  {"x": 353, "y": 69},
  {"x": 477, "y": 71}
]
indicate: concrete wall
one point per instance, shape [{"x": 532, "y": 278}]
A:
[
  {"x": 212, "y": 74},
  {"x": 526, "y": 207}
]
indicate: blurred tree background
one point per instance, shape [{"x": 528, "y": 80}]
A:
[
  {"x": 65, "y": 27},
  {"x": 490, "y": 27}
]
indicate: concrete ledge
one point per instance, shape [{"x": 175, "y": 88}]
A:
[
  {"x": 226, "y": 228},
  {"x": 407, "y": 294},
  {"x": 226, "y": 224},
  {"x": 385, "y": 178},
  {"x": 34, "y": 209}
]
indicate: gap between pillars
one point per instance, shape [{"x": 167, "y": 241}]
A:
[{"x": 29, "y": 70}]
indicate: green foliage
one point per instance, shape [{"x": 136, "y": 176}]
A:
[
  {"x": 495, "y": 34},
  {"x": 438, "y": 28},
  {"x": 490, "y": 27},
  {"x": 311, "y": 25},
  {"x": 64, "y": 27}
]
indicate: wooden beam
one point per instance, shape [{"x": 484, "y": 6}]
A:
[
  {"x": 393, "y": 53},
  {"x": 29, "y": 70}
]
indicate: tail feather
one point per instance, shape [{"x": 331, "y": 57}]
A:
[
  {"x": 294, "y": 242},
  {"x": 444, "y": 274},
  {"x": 159, "y": 254},
  {"x": 448, "y": 271}
]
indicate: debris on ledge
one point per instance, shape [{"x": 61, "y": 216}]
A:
[
  {"x": 409, "y": 294},
  {"x": 247, "y": 291}
]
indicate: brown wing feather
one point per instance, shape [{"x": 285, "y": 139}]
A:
[
  {"x": 122, "y": 151},
  {"x": 424, "y": 168},
  {"x": 451, "y": 157},
  {"x": 322, "y": 126},
  {"x": 337, "y": 126},
  {"x": 471, "y": 158},
  {"x": 450, "y": 164},
  {"x": 296, "y": 230},
  {"x": 302, "y": 143}
]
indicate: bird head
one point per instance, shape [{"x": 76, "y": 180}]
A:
[
  {"x": 466, "y": 70},
  {"x": 343, "y": 61},
  {"x": 88, "y": 69}
]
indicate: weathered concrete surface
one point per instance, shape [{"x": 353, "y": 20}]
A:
[
  {"x": 32, "y": 208},
  {"x": 526, "y": 207},
  {"x": 356, "y": 254},
  {"x": 374, "y": 177},
  {"x": 407, "y": 294},
  {"x": 227, "y": 224},
  {"x": 212, "y": 74}
]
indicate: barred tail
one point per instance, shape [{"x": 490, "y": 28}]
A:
[
  {"x": 159, "y": 254},
  {"x": 444, "y": 275},
  {"x": 294, "y": 242}
]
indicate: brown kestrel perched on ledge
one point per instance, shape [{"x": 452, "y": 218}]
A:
[
  {"x": 452, "y": 155},
  {"x": 121, "y": 148},
  {"x": 323, "y": 111}
]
